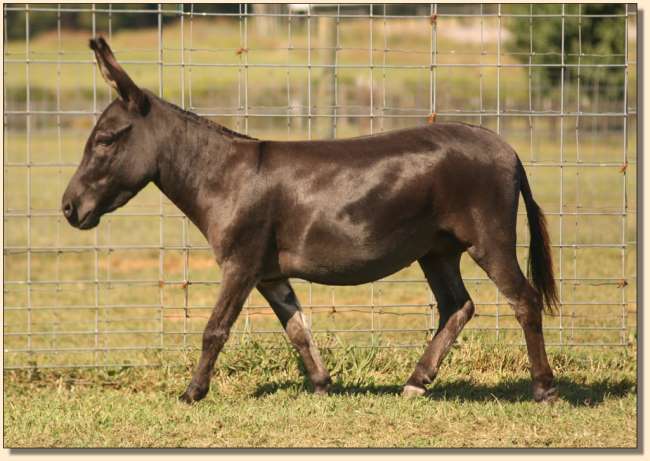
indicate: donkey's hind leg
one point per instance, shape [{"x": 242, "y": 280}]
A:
[
  {"x": 500, "y": 264},
  {"x": 284, "y": 303},
  {"x": 455, "y": 308}
]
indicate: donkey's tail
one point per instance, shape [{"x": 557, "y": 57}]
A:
[{"x": 540, "y": 262}]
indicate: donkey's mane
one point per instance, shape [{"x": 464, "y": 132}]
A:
[{"x": 205, "y": 121}]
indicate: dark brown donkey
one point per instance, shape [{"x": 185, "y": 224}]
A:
[{"x": 341, "y": 212}]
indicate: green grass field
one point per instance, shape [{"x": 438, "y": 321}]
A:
[
  {"x": 259, "y": 399},
  {"x": 112, "y": 298}
]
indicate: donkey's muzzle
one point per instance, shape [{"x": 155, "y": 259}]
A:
[
  {"x": 77, "y": 218},
  {"x": 82, "y": 216},
  {"x": 70, "y": 212}
]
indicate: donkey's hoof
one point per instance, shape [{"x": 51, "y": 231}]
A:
[
  {"x": 412, "y": 391},
  {"x": 322, "y": 385},
  {"x": 185, "y": 398},
  {"x": 547, "y": 396},
  {"x": 322, "y": 390},
  {"x": 193, "y": 394}
]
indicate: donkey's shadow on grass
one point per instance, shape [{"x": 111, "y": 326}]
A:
[{"x": 518, "y": 390}]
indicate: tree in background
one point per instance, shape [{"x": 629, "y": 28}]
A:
[{"x": 601, "y": 37}]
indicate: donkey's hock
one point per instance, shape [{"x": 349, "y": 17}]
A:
[{"x": 337, "y": 212}]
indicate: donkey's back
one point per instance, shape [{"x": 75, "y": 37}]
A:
[{"x": 438, "y": 138}]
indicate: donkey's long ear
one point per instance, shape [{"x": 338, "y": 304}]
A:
[{"x": 116, "y": 77}]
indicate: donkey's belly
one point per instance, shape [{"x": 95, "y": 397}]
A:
[
  {"x": 352, "y": 271},
  {"x": 335, "y": 260}
]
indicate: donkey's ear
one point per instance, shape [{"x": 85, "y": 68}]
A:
[{"x": 116, "y": 77}]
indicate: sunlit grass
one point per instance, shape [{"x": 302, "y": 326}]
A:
[{"x": 259, "y": 398}]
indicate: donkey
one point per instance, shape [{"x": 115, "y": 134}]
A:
[{"x": 335, "y": 212}]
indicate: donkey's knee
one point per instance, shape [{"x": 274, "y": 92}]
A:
[
  {"x": 463, "y": 315},
  {"x": 469, "y": 310},
  {"x": 528, "y": 309},
  {"x": 529, "y": 320},
  {"x": 214, "y": 338},
  {"x": 297, "y": 330}
]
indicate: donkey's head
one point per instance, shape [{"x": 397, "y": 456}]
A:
[{"x": 120, "y": 155}]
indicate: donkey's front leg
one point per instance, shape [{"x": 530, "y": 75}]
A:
[
  {"x": 237, "y": 283},
  {"x": 285, "y": 304}
]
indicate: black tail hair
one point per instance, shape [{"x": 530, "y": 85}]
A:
[{"x": 540, "y": 262}]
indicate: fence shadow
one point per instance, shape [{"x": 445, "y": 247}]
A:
[{"x": 575, "y": 393}]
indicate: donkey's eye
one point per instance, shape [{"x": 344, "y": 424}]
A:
[
  {"x": 105, "y": 138},
  {"x": 108, "y": 137}
]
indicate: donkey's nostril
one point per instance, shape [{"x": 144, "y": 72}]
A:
[{"x": 67, "y": 210}]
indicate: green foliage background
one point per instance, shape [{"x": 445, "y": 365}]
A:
[{"x": 588, "y": 40}]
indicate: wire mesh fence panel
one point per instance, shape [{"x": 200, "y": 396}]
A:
[{"x": 558, "y": 82}]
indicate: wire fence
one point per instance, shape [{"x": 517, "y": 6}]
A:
[{"x": 138, "y": 289}]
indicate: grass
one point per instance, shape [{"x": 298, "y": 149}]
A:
[{"x": 259, "y": 398}]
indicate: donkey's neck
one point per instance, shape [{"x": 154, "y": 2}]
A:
[
  {"x": 202, "y": 121},
  {"x": 194, "y": 157}
]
